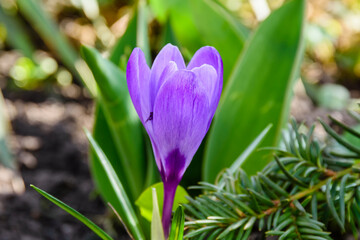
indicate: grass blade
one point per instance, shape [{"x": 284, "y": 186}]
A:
[
  {"x": 125, "y": 208},
  {"x": 177, "y": 225},
  {"x": 142, "y": 38},
  {"x": 249, "y": 150},
  {"x": 16, "y": 34},
  {"x": 74, "y": 213}
]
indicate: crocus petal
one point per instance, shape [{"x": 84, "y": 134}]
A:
[
  {"x": 169, "y": 69},
  {"x": 138, "y": 81},
  {"x": 180, "y": 117},
  {"x": 207, "y": 77},
  {"x": 206, "y": 55},
  {"x": 209, "y": 55},
  {"x": 167, "y": 54}
]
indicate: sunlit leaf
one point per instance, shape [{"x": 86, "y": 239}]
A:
[
  {"x": 258, "y": 92},
  {"x": 122, "y": 205},
  {"x": 157, "y": 232},
  {"x": 218, "y": 28},
  {"x": 124, "y": 124},
  {"x": 145, "y": 200}
]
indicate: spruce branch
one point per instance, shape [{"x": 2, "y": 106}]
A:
[{"x": 306, "y": 190}]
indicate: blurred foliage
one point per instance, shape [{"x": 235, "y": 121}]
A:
[
  {"x": 332, "y": 34},
  {"x": 6, "y": 157},
  {"x": 261, "y": 61}
]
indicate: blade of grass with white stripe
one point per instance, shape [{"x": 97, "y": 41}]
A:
[
  {"x": 177, "y": 225},
  {"x": 125, "y": 210},
  {"x": 74, "y": 213}
]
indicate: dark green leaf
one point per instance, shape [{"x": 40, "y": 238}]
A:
[
  {"x": 125, "y": 209},
  {"x": 121, "y": 117},
  {"x": 329, "y": 200},
  {"x": 339, "y": 139}
]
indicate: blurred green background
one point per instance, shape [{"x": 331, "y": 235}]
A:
[
  {"x": 310, "y": 55},
  {"x": 34, "y": 56}
]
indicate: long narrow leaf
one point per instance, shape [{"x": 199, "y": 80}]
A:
[
  {"x": 250, "y": 149},
  {"x": 339, "y": 139},
  {"x": 16, "y": 34},
  {"x": 74, "y": 213},
  {"x": 220, "y": 29},
  {"x": 125, "y": 210},
  {"x": 104, "y": 137},
  {"x": 177, "y": 224},
  {"x": 142, "y": 38},
  {"x": 124, "y": 125},
  {"x": 258, "y": 91},
  {"x": 157, "y": 232}
]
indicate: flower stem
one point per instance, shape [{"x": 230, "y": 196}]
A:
[{"x": 169, "y": 195}]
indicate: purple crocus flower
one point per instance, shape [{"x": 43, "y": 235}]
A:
[{"x": 175, "y": 104}]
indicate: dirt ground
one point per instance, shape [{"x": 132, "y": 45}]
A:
[{"x": 52, "y": 154}]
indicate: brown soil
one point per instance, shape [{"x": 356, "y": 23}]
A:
[{"x": 51, "y": 150}]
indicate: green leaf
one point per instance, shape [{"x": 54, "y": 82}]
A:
[
  {"x": 331, "y": 206},
  {"x": 177, "y": 224},
  {"x": 258, "y": 92},
  {"x": 50, "y": 33},
  {"x": 250, "y": 149},
  {"x": 16, "y": 34},
  {"x": 157, "y": 232},
  {"x": 145, "y": 200},
  {"x": 122, "y": 204},
  {"x": 190, "y": 21},
  {"x": 333, "y": 96},
  {"x": 121, "y": 117},
  {"x": 74, "y": 213},
  {"x": 124, "y": 46},
  {"x": 181, "y": 20},
  {"x": 218, "y": 28},
  {"x": 339, "y": 139},
  {"x": 104, "y": 138},
  {"x": 142, "y": 38}
]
